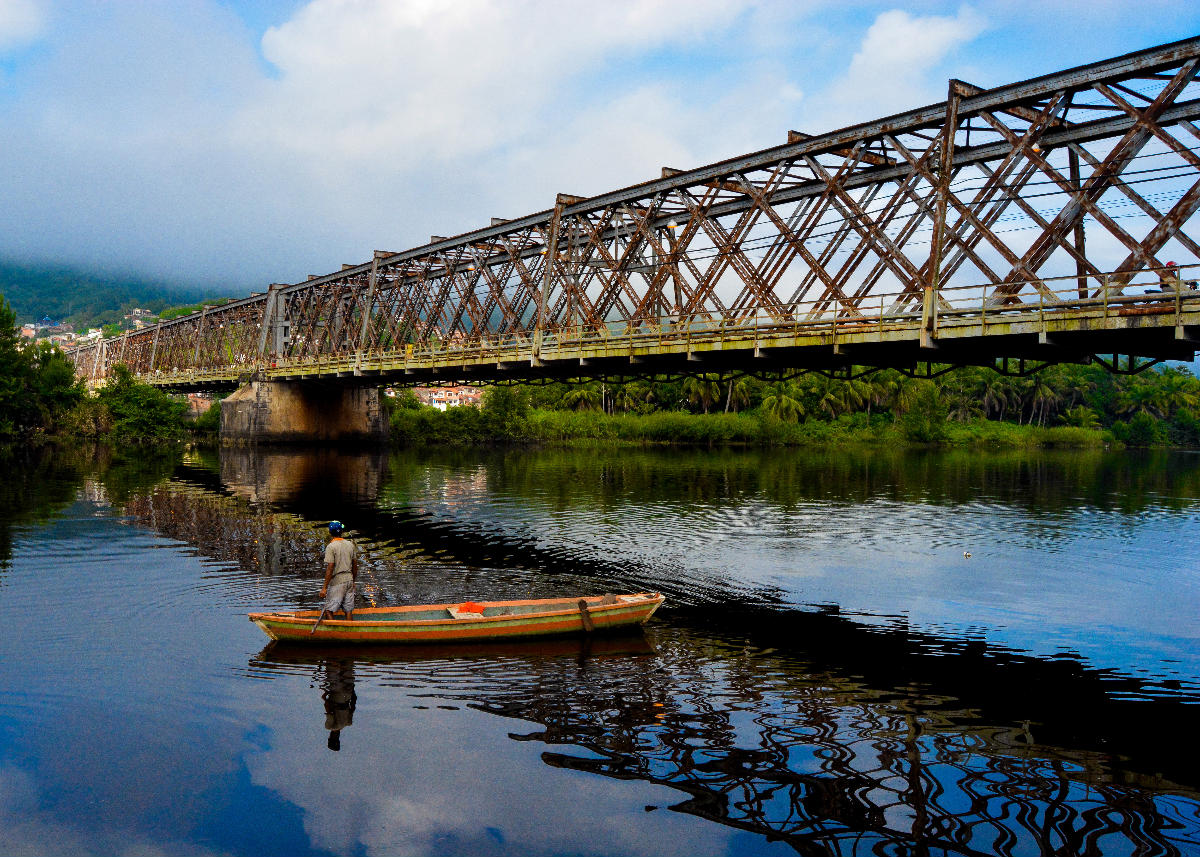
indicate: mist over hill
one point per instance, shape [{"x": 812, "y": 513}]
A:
[{"x": 89, "y": 298}]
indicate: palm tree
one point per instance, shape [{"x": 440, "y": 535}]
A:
[
  {"x": 1043, "y": 398},
  {"x": 1022, "y": 389},
  {"x": 855, "y": 394},
  {"x": 737, "y": 393},
  {"x": 902, "y": 394},
  {"x": 962, "y": 404},
  {"x": 1179, "y": 390},
  {"x": 1078, "y": 386},
  {"x": 875, "y": 391},
  {"x": 582, "y": 399},
  {"x": 781, "y": 405},
  {"x": 1081, "y": 416},
  {"x": 830, "y": 396},
  {"x": 630, "y": 396},
  {"x": 997, "y": 394},
  {"x": 1142, "y": 397},
  {"x": 703, "y": 390}
]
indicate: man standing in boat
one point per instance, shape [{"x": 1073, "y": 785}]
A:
[{"x": 341, "y": 570}]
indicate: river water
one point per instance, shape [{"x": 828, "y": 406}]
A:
[{"x": 861, "y": 653}]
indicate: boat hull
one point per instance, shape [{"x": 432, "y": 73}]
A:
[{"x": 449, "y": 623}]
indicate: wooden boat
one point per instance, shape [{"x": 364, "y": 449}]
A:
[{"x": 465, "y": 621}]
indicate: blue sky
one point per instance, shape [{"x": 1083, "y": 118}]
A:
[{"x": 239, "y": 144}]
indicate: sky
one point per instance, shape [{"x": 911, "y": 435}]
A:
[{"x": 233, "y": 145}]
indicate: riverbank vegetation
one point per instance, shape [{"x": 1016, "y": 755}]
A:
[
  {"x": 1077, "y": 406},
  {"x": 41, "y": 398}
]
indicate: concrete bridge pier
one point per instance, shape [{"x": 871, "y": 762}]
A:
[{"x": 302, "y": 412}]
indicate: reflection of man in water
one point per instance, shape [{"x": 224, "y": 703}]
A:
[
  {"x": 339, "y": 698},
  {"x": 341, "y": 570}
]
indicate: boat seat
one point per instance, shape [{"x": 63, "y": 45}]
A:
[{"x": 458, "y": 613}]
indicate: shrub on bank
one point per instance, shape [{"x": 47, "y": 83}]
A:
[
  {"x": 139, "y": 412},
  {"x": 37, "y": 382},
  {"x": 503, "y": 421},
  {"x": 1000, "y": 435},
  {"x": 1141, "y": 430},
  {"x": 209, "y": 422}
]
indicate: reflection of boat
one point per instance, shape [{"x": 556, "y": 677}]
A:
[
  {"x": 466, "y": 621},
  {"x": 632, "y": 642}
]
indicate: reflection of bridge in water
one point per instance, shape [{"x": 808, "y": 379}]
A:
[
  {"x": 808, "y": 728},
  {"x": 767, "y": 742},
  {"x": 1037, "y": 221}
]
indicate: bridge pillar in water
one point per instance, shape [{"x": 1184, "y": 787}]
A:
[{"x": 302, "y": 411}]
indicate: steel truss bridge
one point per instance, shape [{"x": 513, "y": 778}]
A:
[{"x": 1039, "y": 222}]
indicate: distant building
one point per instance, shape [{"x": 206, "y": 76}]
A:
[
  {"x": 57, "y": 330},
  {"x": 198, "y": 403},
  {"x": 28, "y": 331},
  {"x": 448, "y": 397},
  {"x": 139, "y": 318}
]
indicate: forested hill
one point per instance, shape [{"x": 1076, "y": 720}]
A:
[{"x": 87, "y": 299}]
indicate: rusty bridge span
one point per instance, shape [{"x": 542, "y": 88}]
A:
[{"x": 1038, "y": 222}]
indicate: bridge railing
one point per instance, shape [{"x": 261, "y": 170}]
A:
[{"x": 983, "y": 307}]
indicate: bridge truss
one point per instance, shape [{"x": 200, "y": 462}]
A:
[{"x": 1044, "y": 220}]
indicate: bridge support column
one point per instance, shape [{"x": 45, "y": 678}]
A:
[{"x": 302, "y": 411}]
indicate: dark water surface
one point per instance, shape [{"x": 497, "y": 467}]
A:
[{"x": 861, "y": 653}]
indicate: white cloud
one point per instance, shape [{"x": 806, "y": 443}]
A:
[
  {"x": 891, "y": 71},
  {"x": 431, "y": 789},
  {"x": 161, "y": 137},
  {"x": 424, "y": 80},
  {"x": 156, "y": 138},
  {"x": 21, "y": 21}
]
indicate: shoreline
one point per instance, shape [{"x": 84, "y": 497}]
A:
[{"x": 471, "y": 427}]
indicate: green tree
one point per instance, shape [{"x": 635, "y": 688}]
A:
[
  {"x": 210, "y": 420},
  {"x": 702, "y": 390},
  {"x": 783, "y": 405},
  {"x": 1043, "y": 399},
  {"x": 1142, "y": 396},
  {"x": 737, "y": 393},
  {"x": 1142, "y": 430},
  {"x": 997, "y": 395},
  {"x": 53, "y": 387},
  {"x": 505, "y": 410},
  {"x": 14, "y": 373},
  {"x": 925, "y": 419},
  {"x": 37, "y": 381},
  {"x": 902, "y": 392},
  {"x": 832, "y": 397},
  {"x": 406, "y": 400},
  {"x": 1180, "y": 389},
  {"x": 1081, "y": 416},
  {"x": 139, "y": 411},
  {"x": 635, "y": 396},
  {"x": 582, "y": 398}
]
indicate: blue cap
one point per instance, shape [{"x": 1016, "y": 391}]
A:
[{"x": 335, "y": 527}]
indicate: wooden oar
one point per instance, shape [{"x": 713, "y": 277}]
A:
[
  {"x": 324, "y": 610},
  {"x": 588, "y": 625}
]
